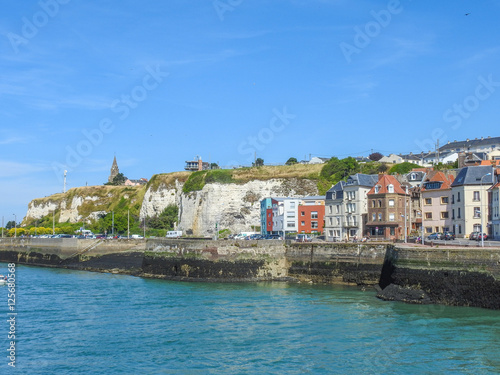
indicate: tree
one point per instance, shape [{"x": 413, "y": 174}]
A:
[
  {"x": 403, "y": 168},
  {"x": 10, "y": 224},
  {"x": 258, "y": 162},
  {"x": 214, "y": 166},
  {"x": 335, "y": 170},
  {"x": 166, "y": 219},
  {"x": 375, "y": 156},
  {"x": 291, "y": 161},
  {"x": 118, "y": 180},
  {"x": 383, "y": 168}
]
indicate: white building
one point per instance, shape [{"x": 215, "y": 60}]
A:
[
  {"x": 285, "y": 218},
  {"x": 469, "y": 197},
  {"x": 495, "y": 211}
]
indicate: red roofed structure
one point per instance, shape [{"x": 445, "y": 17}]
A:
[{"x": 386, "y": 209}]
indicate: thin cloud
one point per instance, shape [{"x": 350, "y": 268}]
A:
[{"x": 12, "y": 169}]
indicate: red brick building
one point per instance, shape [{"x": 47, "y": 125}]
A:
[
  {"x": 386, "y": 209},
  {"x": 311, "y": 215}
]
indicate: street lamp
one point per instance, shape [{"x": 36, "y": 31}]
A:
[
  {"x": 482, "y": 216},
  {"x": 15, "y": 225}
]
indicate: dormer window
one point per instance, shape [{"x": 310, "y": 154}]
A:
[
  {"x": 377, "y": 189},
  {"x": 413, "y": 176},
  {"x": 390, "y": 188}
]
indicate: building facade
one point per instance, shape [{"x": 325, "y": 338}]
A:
[
  {"x": 388, "y": 208},
  {"x": 469, "y": 197},
  {"x": 495, "y": 211},
  {"x": 334, "y": 213},
  {"x": 436, "y": 203},
  {"x": 311, "y": 214}
]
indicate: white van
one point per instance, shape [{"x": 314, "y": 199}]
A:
[{"x": 174, "y": 234}]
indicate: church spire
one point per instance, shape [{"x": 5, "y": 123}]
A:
[{"x": 114, "y": 170}]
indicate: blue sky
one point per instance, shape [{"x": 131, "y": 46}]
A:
[{"x": 158, "y": 83}]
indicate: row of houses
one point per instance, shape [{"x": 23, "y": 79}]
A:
[
  {"x": 394, "y": 207},
  {"x": 469, "y": 152}
]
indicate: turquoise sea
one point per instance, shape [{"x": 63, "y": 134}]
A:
[{"x": 72, "y": 322}]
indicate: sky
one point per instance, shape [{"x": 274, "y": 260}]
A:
[{"x": 158, "y": 83}]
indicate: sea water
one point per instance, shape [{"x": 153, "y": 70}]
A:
[{"x": 74, "y": 322}]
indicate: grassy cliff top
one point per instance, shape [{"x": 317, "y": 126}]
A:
[{"x": 196, "y": 180}]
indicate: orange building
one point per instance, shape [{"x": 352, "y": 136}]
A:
[{"x": 311, "y": 215}]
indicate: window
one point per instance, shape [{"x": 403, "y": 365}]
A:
[
  {"x": 373, "y": 203},
  {"x": 290, "y": 224},
  {"x": 390, "y": 188},
  {"x": 292, "y": 204},
  {"x": 428, "y": 201},
  {"x": 314, "y": 214},
  {"x": 331, "y": 221},
  {"x": 453, "y": 199},
  {"x": 379, "y": 217},
  {"x": 393, "y": 231},
  {"x": 302, "y": 213},
  {"x": 458, "y": 196},
  {"x": 428, "y": 230},
  {"x": 374, "y": 217},
  {"x": 330, "y": 233},
  {"x": 314, "y": 224},
  {"x": 458, "y": 215},
  {"x": 391, "y": 217},
  {"x": 337, "y": 209},
  {"x": 302, "y": 223},
  {"x": 391, "y": 202},
  {"x": 379, "y": 203},
  {"x": 459, "y": 228},
  {"x": 476, "y": 196},
  {"x": 377, "y": 189},
  {"x": 428, "y": 215},
  {"x": 338, "y": 221},
  {"x": 453, "y": 214},
  {"x": 330, "y": 209},
  {"x": 444, "y": 215},
  {"x": 477, "y": 227},
  {"x": 444, "y": 200},
  {"x": 477, "y": 212}
]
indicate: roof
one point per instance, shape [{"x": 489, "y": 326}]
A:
[
  {"x": 313, "y": 198},
  {"x": 440, "y": 177},
  {"x": 384, "y": 181},
  {"x": 497, "y": 185},
  {"x": 339, "y": 186},
  {"x": 471, "y": 143},
  {"x": 360, "y": 179},
  {"x": 490, "y": 162},
  {"x": 474, "y": 176}
]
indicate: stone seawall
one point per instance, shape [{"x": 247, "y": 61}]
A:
[
  {"x": 463, "y": 277},
  {"x": 459, "y": 277}
]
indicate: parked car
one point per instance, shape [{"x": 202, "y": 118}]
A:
[
  {"x": 434, "y": 236},
  {"x": 482, "y": 236},
  {"x": 473, "y": 236},
  {"x": 303, "y": 238},
  {"x": 272, "y": 237},
  {"x": 448, "y": 236}
]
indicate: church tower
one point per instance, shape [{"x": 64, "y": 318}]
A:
[{"x": 114, "y": 170}]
